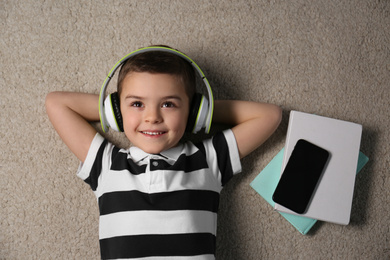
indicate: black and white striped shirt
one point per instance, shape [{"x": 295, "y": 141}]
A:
[{"x": 165, "y": 205}]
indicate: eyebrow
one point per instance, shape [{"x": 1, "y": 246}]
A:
[
  {"x": 142, "y": 98},
  {"x": 133, "y": 97}
]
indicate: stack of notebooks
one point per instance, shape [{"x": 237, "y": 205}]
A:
[{"x": 332, "y": 199}]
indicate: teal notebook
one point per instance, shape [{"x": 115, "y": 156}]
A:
[{"x": 265, "y": 184}]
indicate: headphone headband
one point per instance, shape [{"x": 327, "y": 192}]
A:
[{"x": 103, "y": 119}]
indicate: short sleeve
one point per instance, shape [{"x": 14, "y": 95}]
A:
[
  {"x": 98, "y": 159},
  {"x": 222, "y": 155}
]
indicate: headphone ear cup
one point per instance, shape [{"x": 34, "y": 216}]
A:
[
  {"x": 113, "y": 112},
  {"x": 194, "y": 108},
  {"x": 197, "y": 114},
  {"x": 117, "y": 110}
]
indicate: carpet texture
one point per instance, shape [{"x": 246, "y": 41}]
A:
[{"x": 331, "y": 58}]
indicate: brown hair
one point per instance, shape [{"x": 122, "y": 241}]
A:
[{"x": 160, "y": 62}]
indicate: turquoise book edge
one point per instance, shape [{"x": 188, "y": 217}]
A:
[{"x": 265, "y": 184}]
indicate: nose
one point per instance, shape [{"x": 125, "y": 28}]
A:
[{"x": 153, "y": 115}]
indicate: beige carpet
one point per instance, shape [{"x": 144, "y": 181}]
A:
[{"x": 331, "y": 58}]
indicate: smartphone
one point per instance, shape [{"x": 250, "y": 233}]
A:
[{"x": 301, "y": 176}]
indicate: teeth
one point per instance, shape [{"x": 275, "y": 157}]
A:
[{"x": 152, "y": 133}]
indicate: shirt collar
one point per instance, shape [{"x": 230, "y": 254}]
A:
[
  {"x": 172, "y": 154},
  {"x": 137, "y": 154}
]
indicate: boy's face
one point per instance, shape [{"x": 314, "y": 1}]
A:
[{"x": 155, "y": 110}]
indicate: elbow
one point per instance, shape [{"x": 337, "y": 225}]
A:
[
  {"x": 49, "y": 101},
  {"x": 52, "y": 101},
  {"x": 275, "y": 115}
]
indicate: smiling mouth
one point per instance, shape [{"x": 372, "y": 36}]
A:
[{"x": 154, "y": 133}]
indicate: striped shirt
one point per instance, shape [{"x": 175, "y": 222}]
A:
[{"x": 160, "y": 206}]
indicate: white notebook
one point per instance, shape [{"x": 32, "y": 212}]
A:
[{"x": 332, "y": 200}]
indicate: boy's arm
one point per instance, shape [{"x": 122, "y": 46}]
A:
[
  {"x": 253, "y": 123},
  {"x": 70, "y": 114}
]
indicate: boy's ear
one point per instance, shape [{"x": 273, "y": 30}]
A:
[{"x": 112, "y": 110}]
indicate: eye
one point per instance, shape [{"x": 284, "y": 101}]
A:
[
  {"x": 168, "y": 104},
  {"x": 136, "y": 104}
]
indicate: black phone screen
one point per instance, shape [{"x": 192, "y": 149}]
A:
[{"x": 300, "y": 176}]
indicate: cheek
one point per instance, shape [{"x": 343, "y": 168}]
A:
[
  {"x": 130, "y": 120},
  {"x": 179, "y": 122}
]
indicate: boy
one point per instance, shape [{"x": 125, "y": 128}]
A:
[{"x": 159, "y": 198}]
